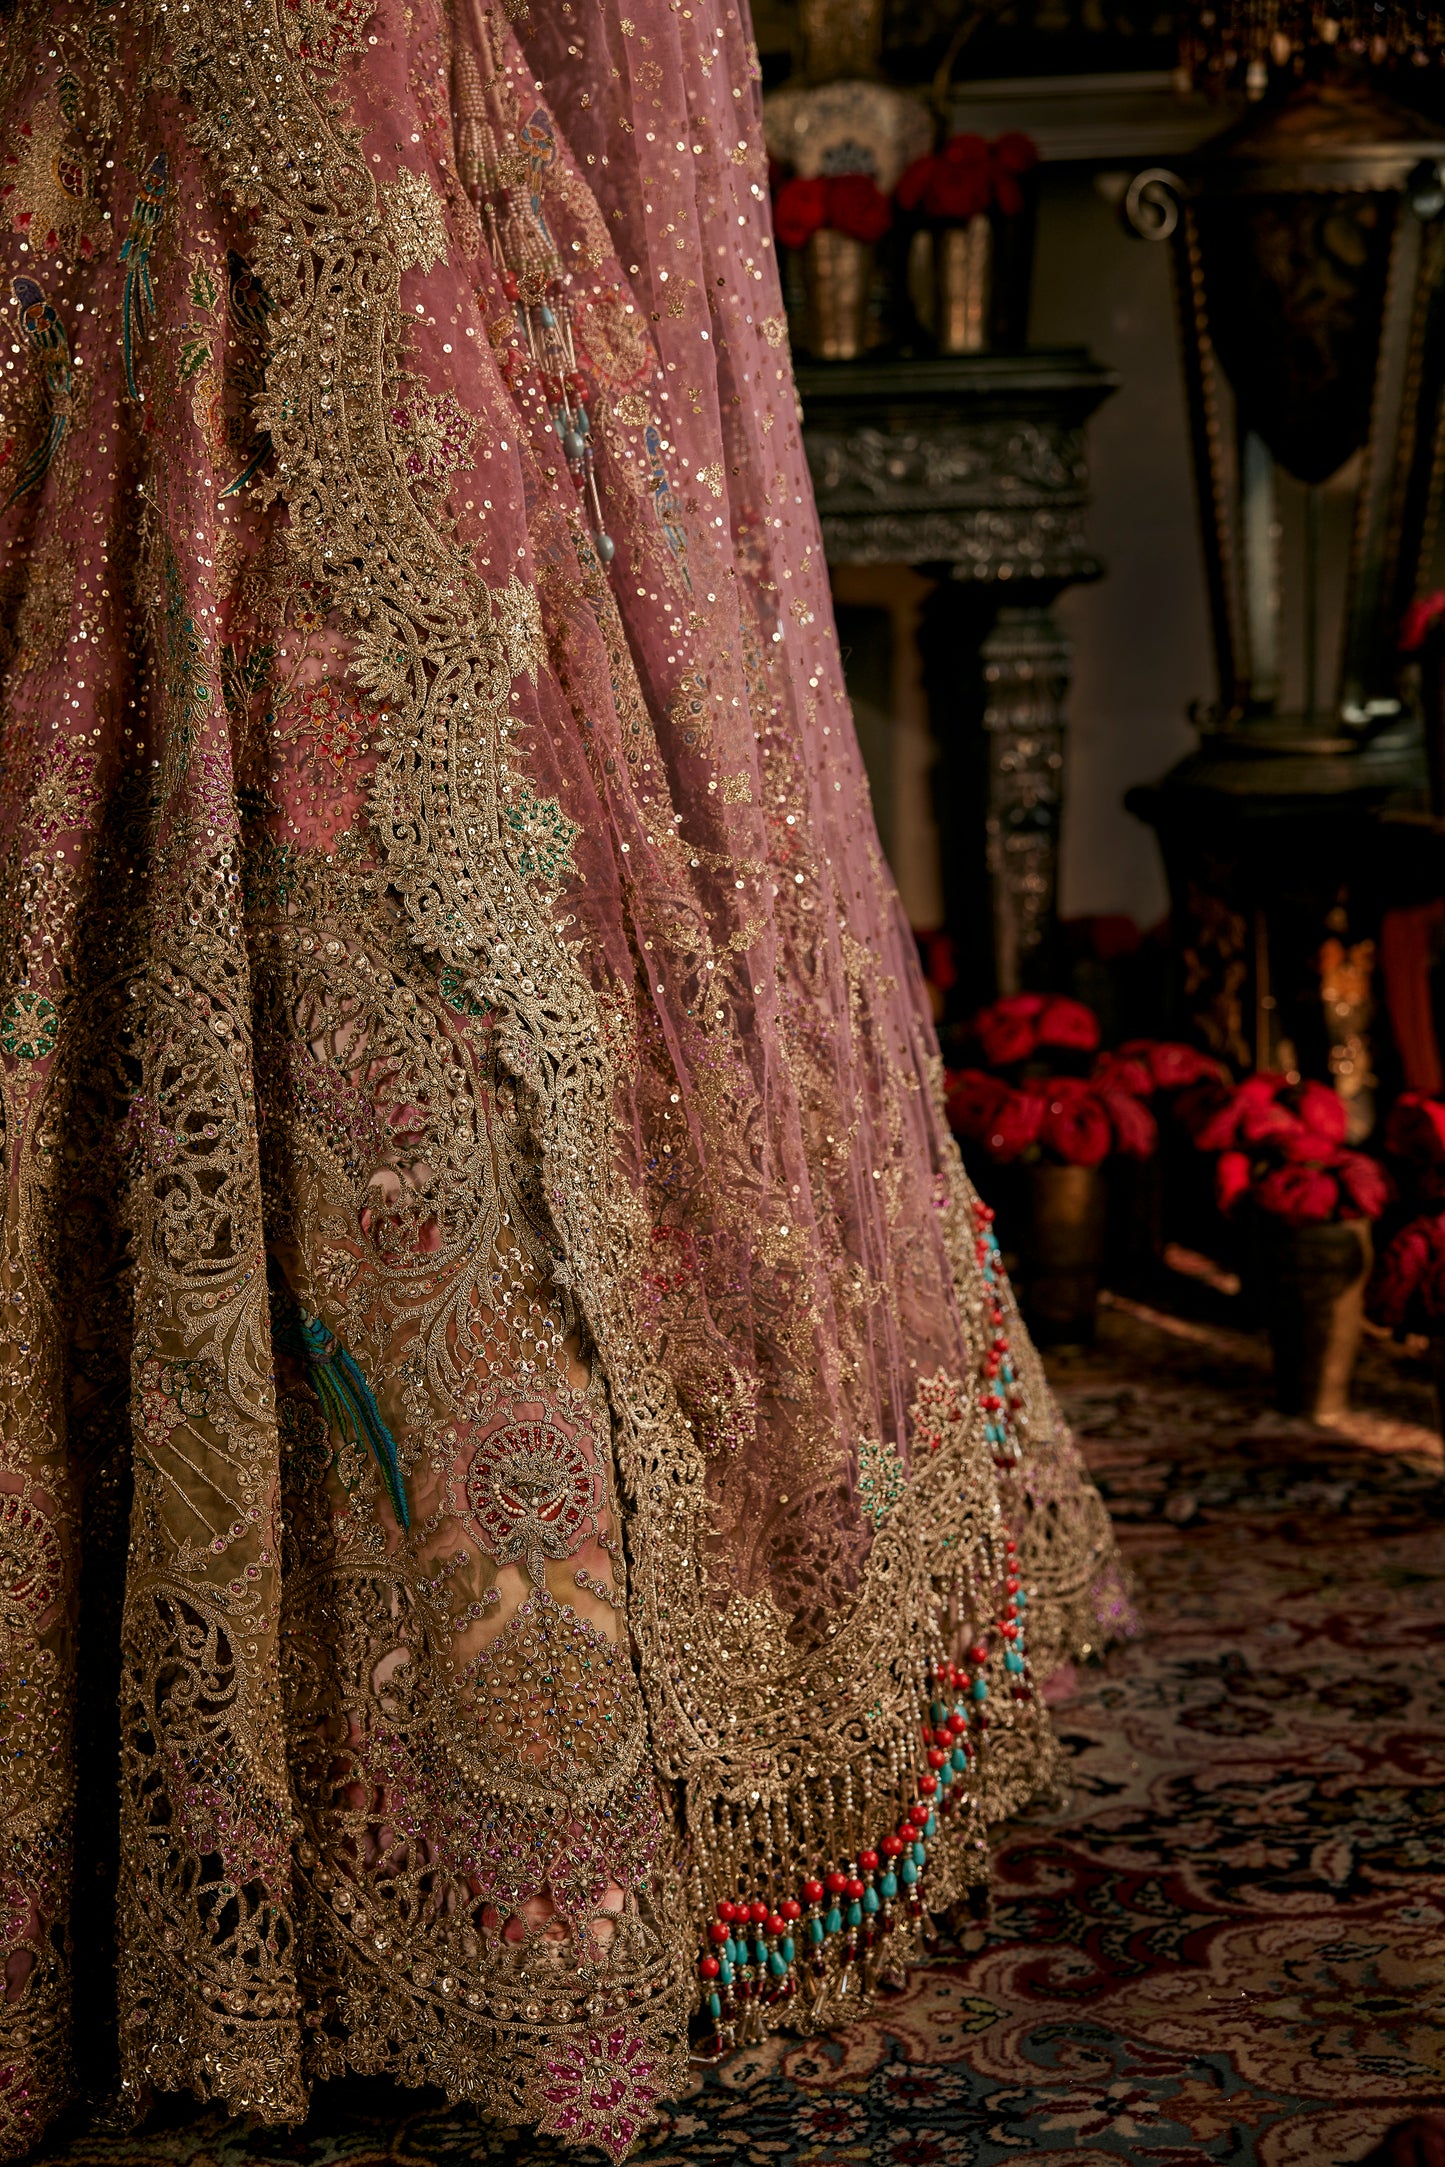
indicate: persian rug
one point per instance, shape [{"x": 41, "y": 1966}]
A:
[{"x": 1227, "y": 1942}]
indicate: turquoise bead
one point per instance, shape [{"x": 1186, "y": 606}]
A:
[
  {"x": 549, "y": 321},
  {"x": 890, "y": 1886},
  {"x": 910, "y": 1872},
  {"x": 760, "y": 1952},
  {"x": 1013, "y": 1662},
  {"x": 960, "y": 1759},
  {"x": 930, "y": 1826},
  {"x": 945, "y": 1776},
  {"x": 777, "y": 1964},
  {"x": 787, "y": 1948},
  {"x": 855, "y": 1914},
  {"x": 980, "y": 1689},
  {"x": 714, "y": 2005},
  {"x": 936, "y": 1711},
  {"x": 815, "y": 1931},
  {"x": 834, "y": 1921},
  {"x": 725, "y": 1971},
  {"x": 870, "y": 1899},
  {"x": 1022, "y": 1598},
  {"x": 920, "y": 1854},
  {"x": 731, "y": 1951}
]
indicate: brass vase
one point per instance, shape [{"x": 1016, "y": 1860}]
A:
[
  {"x": 838, "y": 278},
  {"x": 963, "y": 286},
  {"x": 1064, "y": 1254},
  {"x": 1311, "y": 1281}
]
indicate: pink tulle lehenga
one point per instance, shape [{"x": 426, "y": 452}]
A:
[{"x": 528, "y": 1524}]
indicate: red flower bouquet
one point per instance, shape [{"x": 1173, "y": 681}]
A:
[
  {"x": 1035, "y": 1113},
  {"x": 968, "y": 176},
  {"x": 1415, "y": 1133},
  {"x": 1021, "y": 1025},
  {"x": 849, "y": 203},
  {"x": 1407, "y": 1288},
  {"x": 1281, "y": 1150}
]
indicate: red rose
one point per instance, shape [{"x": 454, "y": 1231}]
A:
[
  {"x": 858, "y": 207},
  {"x": 1122, "y": 1072},
  {"x": 1300, "y": 1195},
  {"x": 1365, "y": 1187},
  {"x": 965, "y": 150},
  {"x": 1419, "y": 619},
  {"x": 913, "y": 183},
  {"x": 957, "y": 193},
  {"x": 1402, "y": 1273},
  {"x": 1062, "y": 1022},
  {"x": 1416, "y": 1129},
  {"x": 1320, "y": 1109},
  {"x": 1260, "y": 1114},
  {"x": 1075, "y": 1127},
  {"x": 1015, "y": 152},
  {"x": 972, "y": 1099},
  {"x": 1231, "y": 1178},
  {"x": 1005, "y": 1029},
  {"x": 1301, "y": 1147},
  {"x": 987, "y": 1111},
  {"x": 800, "y": 211},
  {"x": 1197, "y": 1109},
  {"x": 1136, "y": 1133},
  {"x": 1017, "y": 1121},
  {"x": 1172, "y": 1066}
]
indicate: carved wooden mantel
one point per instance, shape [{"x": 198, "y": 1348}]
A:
[{"x": 973, "y": 469}]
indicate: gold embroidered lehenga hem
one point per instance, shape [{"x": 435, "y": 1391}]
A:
[{"x": 520, "y": 1468}]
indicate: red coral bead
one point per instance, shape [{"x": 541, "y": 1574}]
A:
[
  {"x": 776, "y": 1922},
  {"x": 919, "y": 1814},
  {"x": 891, "y": 1846},
  {"x": 709, "y": 1967},
  {"x": 718, "y": 1932},
  {"x": 727, "y": 1909},
  {"x": 813, "y": 1890},
  {"x": 957, "y": 1723},
  {"x": 791, "y": 1908},
  {"x": 927, "y": 1785},
  {"x": 757, "y": 1913},
  {"x": 979, "y": 1651},
  {"x": 868, "y": 1860},
  {"x": 837, "y": 1882},
  {"x": 936, "y": 1757}
]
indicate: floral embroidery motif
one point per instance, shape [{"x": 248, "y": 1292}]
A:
[
  {"x": 30, "y": 1564},
  {"x": 599, "y": 2089},
  {"x": 29, "y": 1025},
  {"x": 417, "y": 220},
  {"x": 434, "y": 435},
  {"x": 532, "y": 1491},
  {"x": 542, "y": 833}
]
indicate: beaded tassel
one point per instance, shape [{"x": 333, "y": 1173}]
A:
[{"x": 860, "y": 1924}]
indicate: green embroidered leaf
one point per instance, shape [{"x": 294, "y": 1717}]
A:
[{"x": 195, "y": 353}]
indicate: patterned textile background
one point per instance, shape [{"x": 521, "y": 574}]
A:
[{"x": 1229, "y": 1945}]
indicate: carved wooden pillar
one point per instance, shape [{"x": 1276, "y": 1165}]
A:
[{"x": 972, "y": 469}]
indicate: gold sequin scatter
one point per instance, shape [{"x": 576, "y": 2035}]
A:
[{"x": 512, "y": 1437}]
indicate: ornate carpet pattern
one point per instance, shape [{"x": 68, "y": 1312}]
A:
[{"x": 1228, "y": 1942}]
